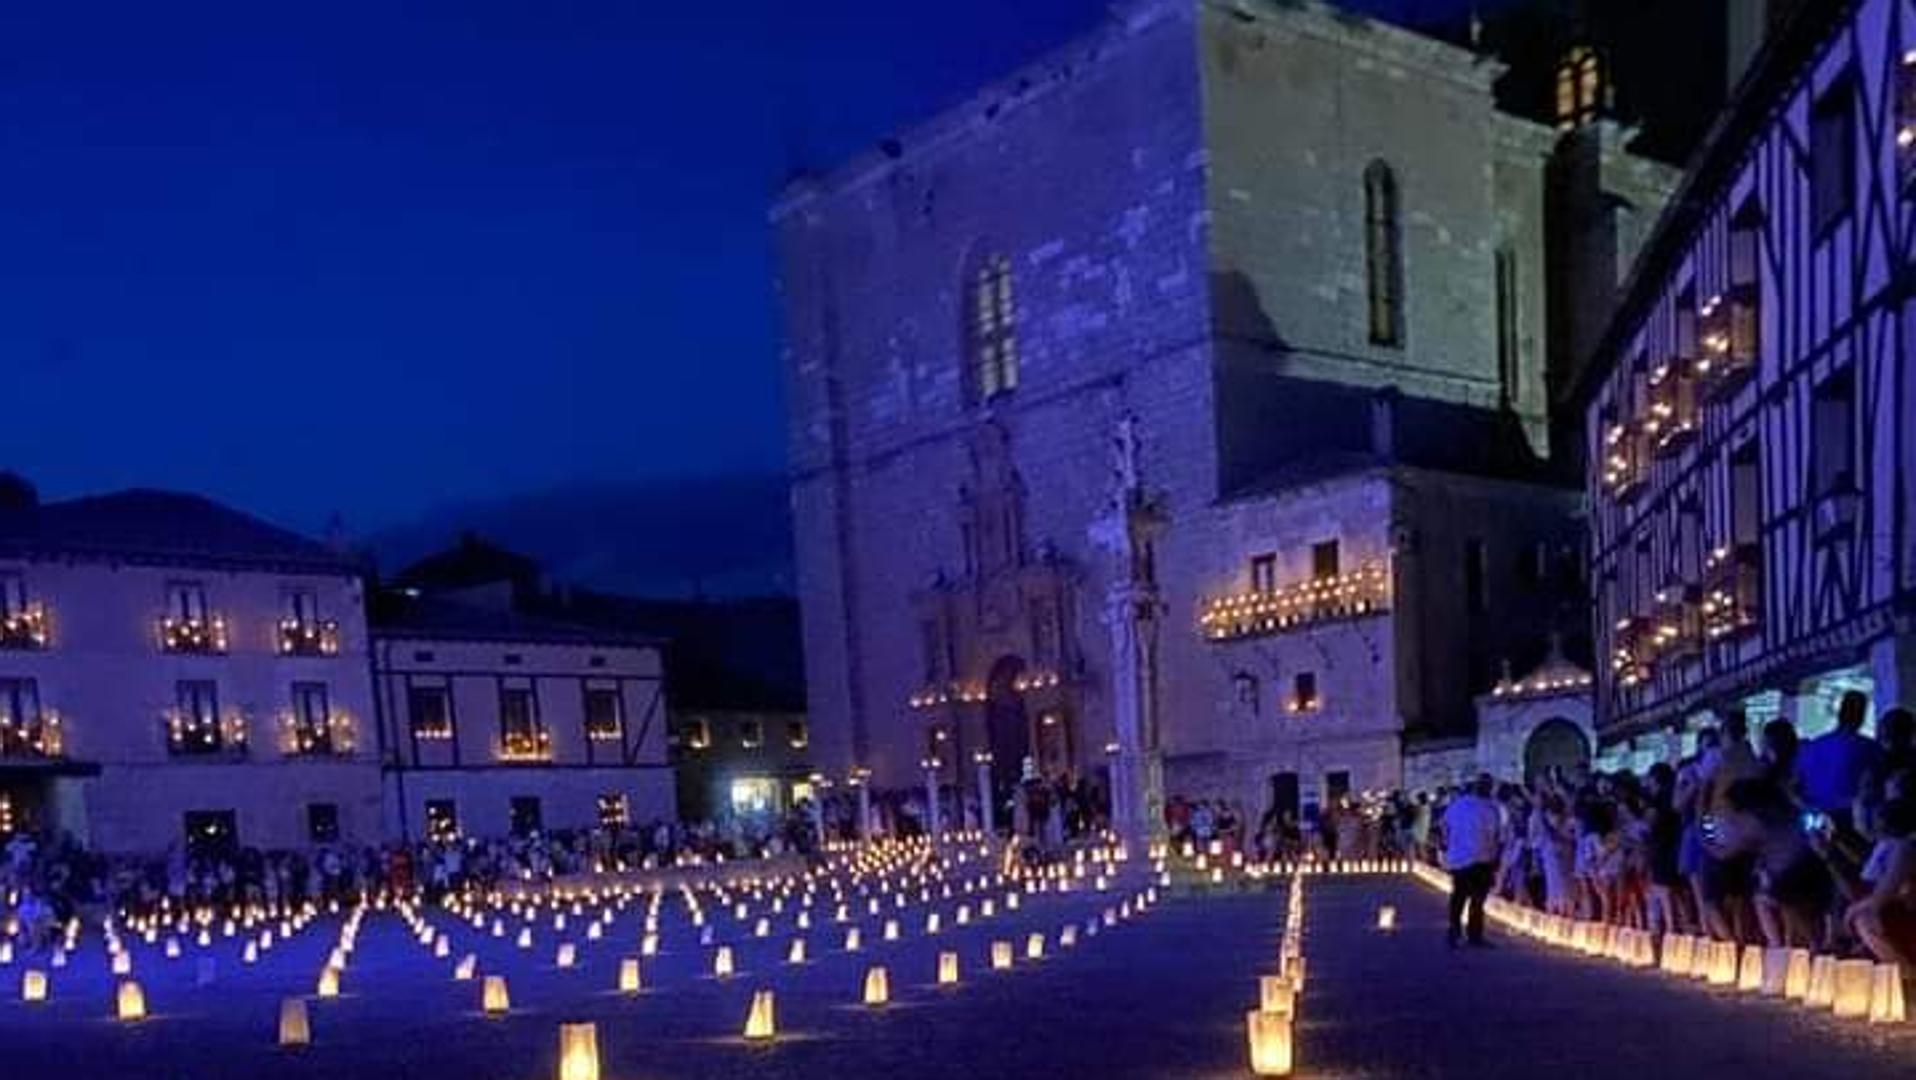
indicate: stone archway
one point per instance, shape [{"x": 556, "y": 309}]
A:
[{"x": 1556, "y": 743}]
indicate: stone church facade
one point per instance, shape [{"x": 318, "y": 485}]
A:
[{"x": 1298, "y": 260}]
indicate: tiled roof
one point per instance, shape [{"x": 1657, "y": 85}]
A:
[{"x": 144, "y": 525}]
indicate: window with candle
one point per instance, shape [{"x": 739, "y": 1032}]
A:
[{"x": 604, "y": 714}]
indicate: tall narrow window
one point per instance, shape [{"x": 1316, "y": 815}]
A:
[
  {"x": 1832, "y": 152},
  {"x": 1580, "y": 90},
  {"x": 993, "y": 329},
  {"x": 1746, "y": 512},
  {"x": 604, "y": 714},
  {"x": 1833, "y": 435},
  {"x": 1383, "y": 255},
  {"x": 522, "y": 737},
  {"x": 1324, "y": 560},
  {"x": 1509, "y": 358},
  {"x": 1264, "y": 573}
]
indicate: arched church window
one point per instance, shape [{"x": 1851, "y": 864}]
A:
[
  {"x": 993, "y": 329},
  {"x": 1580, "y": 90},
  {"x": 1383, "y": 255}
]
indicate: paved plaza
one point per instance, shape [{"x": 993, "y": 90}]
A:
[{"x": 1159, "y": 995}]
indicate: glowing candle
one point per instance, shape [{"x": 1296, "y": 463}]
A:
[
  {"x": 761, "y": 1024},
  {"x": 328, "y": 982},
  {"x": 796, "y": 953},
  {"x": 295, "y": 1028},
  {"x": 1276, "y": 995},
  {"x": 877, "y": 987},
  {"x": 568, "y": 954},
  {"x": 722, "y": 962},
  {"x": 493, "y": 996},
  {"x": 578, "y": 1052},
  {"x": 1270, "y": 1037},
  {"x": 130, "y": 1002},
  {"x": 947, "y": 969},
  {"x": 1000, "y": 955},
  {"x": 33, "y": 985},
  {"x": 629, "y": 975},
  {"x": 1387, "y": 918}
]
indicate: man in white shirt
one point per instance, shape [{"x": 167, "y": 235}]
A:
[{"x": 1473, "y": 842}]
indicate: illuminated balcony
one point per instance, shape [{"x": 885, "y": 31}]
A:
[
  {"x": 526, "y": 746},
  {"x": 36, "y": 738},
  {"x": 188, "y": 735},
  {"x": 1732, "y": 592},
  {"x": 205, "y": 635},
  {"x": 335, "y": 736},
  {"x": 1364, "y": 591},
  {"x": 24, "y": 629},
  {"x": 1729, "y": 338},
  {"x": 1625, "y": 467},
  {"x": 308, "y": 637},
  {"x": 1633, "y": 651},
  {"x": 1677, "y": 625},
  {"x": 1672, "y": 423}
]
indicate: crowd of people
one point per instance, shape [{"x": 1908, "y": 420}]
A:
[
  {"x": 48, "y": 879},
  {"x": 1757, "y": 838}
]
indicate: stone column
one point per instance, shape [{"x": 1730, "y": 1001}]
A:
[
  {"x": 933, "y": 814},
  {"x": 986, "y": 811},
  {"x": 864, "y": 808},
  {"x": 1137, "y": 772}
]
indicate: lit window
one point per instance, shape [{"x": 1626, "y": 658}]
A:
[
  {"x": 754, "y": 795},
  {"x": 798, "y": 734},
  {"x": 26, "y": 731},
  {"x": 301, "y": 631},
  {"x": 751, "y": 734},
  {"x": 1383, "y": 255},
  {"x": 993, "y": 328},
  {"x": 429, "y": 709},
  {"x": 1264, "y": 574},
  {"x": 189, "y": 626},
  {"x": 604, "y": 715},
  {"x": 1304, "y": 692},
  {"x": 442, "y": 820},
  {"x": 1579, "y": 88},
  {"x": 1324, "y": 560},
  {"x": 696, "y": 734},
  {"x": 522, "y": 737},
  {"x": 23, "y": 623}
]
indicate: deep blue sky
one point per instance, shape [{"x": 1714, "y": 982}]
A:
[{"x": 379, "y": 256}]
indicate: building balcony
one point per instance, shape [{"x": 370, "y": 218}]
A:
[
  {"x": 205, "y": 635},
  {"x": 1625, "y": 466},
  {"x": 334, "y": 737},
  {"x": 308, "y": 637},
  {"x": 24, "y": 629},
  {"x": 526, "y": 746},
  {"x": 1677, "y": 625},
  {"x": 1732, "y": 592},
  {"x": 195, "y": 736},
  {"x": 1633, "y": 651},
  {"x": 1364, "y": 591},
  {"x": 1729, "y": 336},
  {"x": 1672, "y": 423},
  {"x": 36, "y": 739}
]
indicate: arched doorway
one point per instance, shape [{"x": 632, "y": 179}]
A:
[
  {"x": 1007, "y": 729},
  {"x": 1555, "y": 744}
]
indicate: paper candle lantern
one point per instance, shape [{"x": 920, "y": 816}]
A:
[
  {"x": 525, "y": 937},
  {"x": 295, "y": 1028},
  {"x": 1387, "y": 918},
  {"x": 891, "y": 929},
  {"x": 1034, "y": 947},
  {"x": 1853, "y": 983},
  {"x": 1068, "y": 937},
  {"x": 1677, "y": 952},
  {"x": 493, "y": 998},
  {"x": 1000, "y": 955},
  {"x": 568, "y": 954},
  {"x": 649, "y": 945},
  {"x": 761, "y": 1024},
  {"x": 1822, "y": 988},
  {"x": 851, "y": 939},
  {"x": 877, "y": 987},
  {"x": 1796, "y": 977},
  {"x": 947, "y": 969},
  {"x": 33, "y": 985},
  {"x": 578, "y": 1052},
  {"x": 931, "y": 923},
  {"x": 1886, "y": 1004},
  {"x": 796, "y": 953},
  {"x": 964, "y": 915},
  {"x": 1722, "y": 963},
  {"x": 463, "y": 970},
  {"x": 328, "y": 982},
  {"x": 1776, "y": 969},
  {"x": 629, "y": 975},
  {"x": 1270, "y": 1036},
  {"x": 130, "y": 1001},
  {"x": 1749, "y": 973},
  {"x": 122, "y": 963},
  {"x": 1275, "y": 994},
  {"x": 722, "y": 962}
]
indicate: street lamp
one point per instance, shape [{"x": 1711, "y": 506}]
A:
[{"x": 982, "y": 758}]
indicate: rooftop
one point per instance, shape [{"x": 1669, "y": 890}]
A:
[{"x": 143, "y": 525}]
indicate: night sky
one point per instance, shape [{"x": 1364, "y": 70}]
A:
[{"x": 377, "y": 257}]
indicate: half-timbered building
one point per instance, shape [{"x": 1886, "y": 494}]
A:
[{"x": 1752, "y": 471}]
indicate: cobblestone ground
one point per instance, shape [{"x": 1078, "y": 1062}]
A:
[
  {"x": 1405, "y": 1005},
  {"x": 1160, "y": 996}
]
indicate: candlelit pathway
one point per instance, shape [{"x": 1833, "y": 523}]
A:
[
  {"x": 1406, "y": 1005},
  {"x": 1160, "y": 995}
]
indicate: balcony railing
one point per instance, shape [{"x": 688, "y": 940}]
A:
[
  {"x": 308, "y": 637},
  {"x": 37, "y": 738},
  {"x": 1625, "y": 467},
  {"x": 1633, "y": 651},
  {"x": 1672, "y": 423},
  {"x": 188, "y": 735},
  {"x": 1730, "y": 340},
  {"x": 204, "y": 634},
  {"x": 336, "y": 736},
  {"x": 24, "y": 629},
  {"x": 526, "y": 746},
  {"x": 1677, "y": 632},
  {"x": 1364, "y": 591},
  {"x": 1732, "y": 592}
]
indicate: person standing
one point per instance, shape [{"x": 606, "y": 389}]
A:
[
  {"x": 1473, "y": 840},
  {"x": 1833, "y": 770}
]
